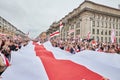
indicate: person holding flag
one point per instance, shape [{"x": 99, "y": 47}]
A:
[
  {"x": 88, "y": 36},
  {"x": 61, "y": 25},
  {"x": 113, "y": 38}
]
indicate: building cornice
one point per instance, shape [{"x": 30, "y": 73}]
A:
[
  {"x": 82, "y": 8},
  {"x": 101, "y": 12},
  {"x": 94, "y": 3}
]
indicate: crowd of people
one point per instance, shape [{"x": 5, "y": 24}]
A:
[
  {"x": 75, "y": 46},
  {"x": 7, "y": 45}
]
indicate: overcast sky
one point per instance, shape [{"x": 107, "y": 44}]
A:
[{"x": 35, "y": 16}]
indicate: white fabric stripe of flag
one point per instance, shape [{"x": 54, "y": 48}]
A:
[
  {"x": 25, "y": 66},
  {"x": 107, "y": 65}
]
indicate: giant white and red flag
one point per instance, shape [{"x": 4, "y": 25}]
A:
[
  {"x": 113, "y": 37},
  {"x": 43, "y": 62}
]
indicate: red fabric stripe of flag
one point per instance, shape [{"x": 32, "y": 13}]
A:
[{"x": 63, "y": 69}]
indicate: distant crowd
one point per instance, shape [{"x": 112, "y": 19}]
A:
[
  {"x": 75, "y": 46},
  {"x": 7, "y": 45}
]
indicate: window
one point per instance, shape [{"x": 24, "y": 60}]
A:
[
  {"x": 109, "y": 39},
  {"x": 109, "y": 32},
  {"x": 102, "y": 17},
  {"x": 105, "y": 39},
  {"x": 93, "y": 37},
  {"x": 109, "y": 25},
  {"x": 116, "y": 39},
  {"x": 106, "y": 24},
  {"x": 97, "y": 23},
  {"x": 93, "y": 31},
  {"x": 106, "y": 32},
  {"x": 78, "y": 32},
  {"x": 106, "y": 18},
  {"x": 94, "y": 15},
  {"x": 97, "y": 38},
  {"x": 93, "y": 24},
  {"x": 97, "y": 31},
  {"x": 113, "y": 19},
  {"x": 113, "y": 26},
  {"x": 72, "y": 34},
  {"x": 72, "y": 27},
  {"x": 116, "y": 33},
  {"x": 78, "y": 25},
  {"x": 117, "y": 20},
  {"x": 101, "y": 39},
  {"x": 116, "y": 26},
  {"x": 110, "y": 18},
  {"x": 102, "y": 23},
  {"x": 102, "y": 32},
  {"x": 98, "y": 16}
]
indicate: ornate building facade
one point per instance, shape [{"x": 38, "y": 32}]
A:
[
  {"x": 8, "y": 29},
  {"x": 91, "y": 17}
]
